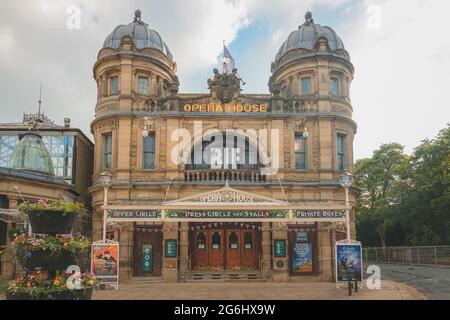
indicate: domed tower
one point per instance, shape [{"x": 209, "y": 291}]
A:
[
  {"x": 133, "y": 69},
  {"x": 313, "y": 63}
]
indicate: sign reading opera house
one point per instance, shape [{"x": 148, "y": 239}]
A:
[{"x": 205, "y": 190}]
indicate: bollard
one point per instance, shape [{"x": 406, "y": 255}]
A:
[
  {"x": 356, "y": 282},
  {"x": 349, "y": 282}
]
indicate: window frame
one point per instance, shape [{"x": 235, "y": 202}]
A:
[
  {"x": 299, "y": 135},
  {"x": 139, "y": 85},
  {"x": 113, "y": 92},
  {"x": 341, "y": 155},
  {"x": 310, "y": 86},
  {"x": 105, "y": 152},
  {"x": 338, "y": 89},
  {"x": 144, "y": 152}
]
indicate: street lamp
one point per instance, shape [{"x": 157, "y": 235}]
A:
[
  {"x": 346, "y": 182},
  {"x": 105, "y": 181}
]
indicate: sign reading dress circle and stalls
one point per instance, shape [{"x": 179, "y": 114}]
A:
[
  {"x": 105, "y": 261},
  {"x": 348, "y": 260}
]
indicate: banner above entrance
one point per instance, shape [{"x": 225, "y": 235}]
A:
[{"x": 221, "y": 214}]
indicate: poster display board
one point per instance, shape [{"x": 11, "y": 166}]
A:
[
  {"x": 279, "y": 248},
  {"x": 171, "y": 249},
  {"x": 105, "y": 262},
  {"x": 302, "y": 257},
  {"x": 348, "y": 259}
]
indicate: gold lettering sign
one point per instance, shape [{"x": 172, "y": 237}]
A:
[{"x": 228, "y": 107}]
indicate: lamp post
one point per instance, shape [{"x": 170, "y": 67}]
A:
[
  {"x": 105, "y": 181},
  {"x": 346, "y": 182}
]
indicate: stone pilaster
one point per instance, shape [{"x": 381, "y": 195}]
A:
[
  {"x": 126, "y": 251},
  {"x": 280, "y": 265},
  {"x": 184, "y": 251},
  {"x": 170, "y": 265},
  {"x": 266, "y": 251},
  {"x": 326, "y": 238}
]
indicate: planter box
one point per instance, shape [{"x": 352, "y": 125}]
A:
[
  {"x": 46, "y": 260},
  {"x": 79, "y": 294},
  {"x": 51, "y": 222}
]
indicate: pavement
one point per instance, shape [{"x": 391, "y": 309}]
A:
[
  {"x": 432, "y": 281},
  {"x": 255, "y": 291}
]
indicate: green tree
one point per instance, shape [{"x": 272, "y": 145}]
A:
[{"x": 380, "y": 180}]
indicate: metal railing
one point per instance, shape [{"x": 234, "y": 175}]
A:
[
  {"x": 210, "y": 175},
  {"x": 425, "y": 255}
]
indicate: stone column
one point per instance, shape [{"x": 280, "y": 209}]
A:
[
  {"x": 153, "y": 88},
  {"x": 266, "y": 252},
  {"x": 169, "y": 265},
  {"x": 326, "y": 238},
  {"x": 126, "y": 251},
  {"x": 184, "y": 251},
  {"x": 280, "y": 265},
  {"x": 6, "y": 260}
]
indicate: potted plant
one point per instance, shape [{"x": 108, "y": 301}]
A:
[
  {"x": 49, "y": 253},
  {"x": 37, "y": 286},
  {"x": 52, "y": 217}
]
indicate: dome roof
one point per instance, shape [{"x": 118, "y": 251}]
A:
[
  {"x": 142, "y": 35},
  {"x": 31, "y": 154},
  {"x": 307, "y": 35}
]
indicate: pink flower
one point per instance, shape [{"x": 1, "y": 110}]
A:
[{"x": 42, "y": 202}]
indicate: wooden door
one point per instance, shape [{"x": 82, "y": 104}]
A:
[
  {"x": 216, "y": 248},
  {"x": 233, "y": 249},
  {"x": 200, "y": 250},
  {"x": 147, "y": 252},
  {"x": 249, "y": 249}
]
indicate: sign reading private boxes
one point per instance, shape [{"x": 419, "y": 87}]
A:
[
  {"x": 279, "y": 248},
  {"x": 348, "y": 260},
  {"x": 105, "y": 261},
  {"x": 319, "y": 214},
  {"x": 171, "y": 249}
]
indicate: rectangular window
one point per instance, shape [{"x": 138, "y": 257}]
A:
[
  {"x": 341, "y": 152},
  {"x": 334, "y": 87},
  {"x": 114, "y": 85},
  {"x": 149, "y": 151},
  {"x": 306, "y": 86},
  {"x": 4, "y": 204},
  {"x": 107, "y": 151},
  {"x": 143, "y": 85},
  {"x": 300, "y": 151}
]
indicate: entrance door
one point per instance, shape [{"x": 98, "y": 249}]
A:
[
  {"x": 147, "y": 251},
  {"x": 216, "y": 252},
  {"x": 249, "y": 250},
  {"x": 200, "y": 249},
  {"x": 233, "y": 259}
]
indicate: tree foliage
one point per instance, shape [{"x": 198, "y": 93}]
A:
[{"x": 405, "y": 200}]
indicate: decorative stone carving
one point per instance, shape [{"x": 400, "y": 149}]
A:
[{"x": 225, "y": 87}]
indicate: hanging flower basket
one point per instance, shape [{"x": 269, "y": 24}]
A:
[
  {"x": 47, "y": 260},
  {"x": 52, "y": 217}
]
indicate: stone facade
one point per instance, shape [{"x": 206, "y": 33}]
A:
[{"x": 125, "y": 114}]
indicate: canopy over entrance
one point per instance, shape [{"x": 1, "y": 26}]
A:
[{"x": 227, "y": 205}]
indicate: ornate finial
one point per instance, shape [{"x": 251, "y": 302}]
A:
[
  {"x": 308, "y": 17},
  {"x": 137, "y": 15}
]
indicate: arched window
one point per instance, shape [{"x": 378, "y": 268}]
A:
[
  {"x": 201, "y": 240},
  {"x": 215, "y": 240},
  {"x": 247, "y": 154},
  {"x": 248, "y": 240},
  {"x": 233, "y": 240}
]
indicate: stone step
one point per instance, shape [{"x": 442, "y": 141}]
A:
[{"x": 226, "y": 276}]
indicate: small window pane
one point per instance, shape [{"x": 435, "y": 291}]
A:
[
  {"x": 306, "y": 86},
  {"x": 201, "y": 243},
  {"x": 216, "y": 241},
  {"x": 248, "y": 240},
  {"x": 341, "y": 152},
  {"x": 233, "y": 240},
  {"x": 143, "y": 85}
]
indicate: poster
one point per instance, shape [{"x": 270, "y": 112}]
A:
[
  {"x": 302, "y": 257},
  {"x": 171, "y": 248},
  {"x": 105, "y": 261},
  {"x": 348, "y": 258},
  {"x": 279, "y": 247},
  {"x": 147, "y": 258}
]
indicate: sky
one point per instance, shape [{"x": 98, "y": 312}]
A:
[{"x": 400, "y": 50}]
